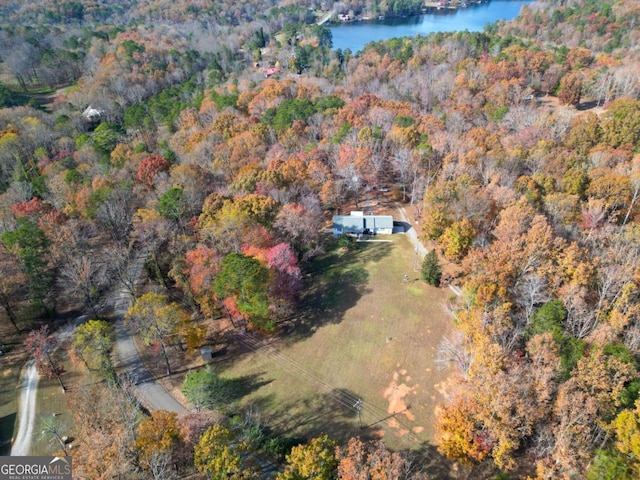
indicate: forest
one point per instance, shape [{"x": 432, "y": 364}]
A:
[{"x": 149, "y": 129}]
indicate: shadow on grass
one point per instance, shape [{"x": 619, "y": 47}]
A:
[
  {"x": 7, "y": 424},
  {"x": 328, "y": 413},
  {"x": 332, "y": 414},
  {"x": 336, "y": 282},
  {"x": 240, "y": 387}
]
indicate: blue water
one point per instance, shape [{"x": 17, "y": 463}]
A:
[{"x": 473, "y": 18}]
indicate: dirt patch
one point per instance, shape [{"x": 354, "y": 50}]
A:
[{"x": 397, "y": 393}]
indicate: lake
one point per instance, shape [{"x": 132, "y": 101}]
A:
[{"x": 356, "y": 35}]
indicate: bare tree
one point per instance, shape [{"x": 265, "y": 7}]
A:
[
  {"x": 454, "y": 349},
  {"x": 86, "y": 276},
  {"x": 531, "y": 290},
  {"x": 114, "y": 214},
  {"x": 160, "y": 465},
  {"x": 54, "y": 429}
]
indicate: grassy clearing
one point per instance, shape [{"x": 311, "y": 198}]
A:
[
  {"x": 51, "y": 403},
  {"x": 11, "y": 364},
  {"x": 363, "y": 333}
]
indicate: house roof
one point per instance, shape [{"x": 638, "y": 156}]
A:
[
  {"x": 348, "y": 222},
  {"x": 360, "y": 222},
  {"x": 91, "y": 113},
  {"x": 379, "y": 221}
]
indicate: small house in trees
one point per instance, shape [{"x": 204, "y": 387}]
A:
[
  {"x": 271, "y": 71},
  {"x": 92, "y": 114},
  {"x": 357, "y": 223}
]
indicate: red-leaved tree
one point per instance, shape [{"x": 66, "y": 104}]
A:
[{"x": 41, "y": 346}]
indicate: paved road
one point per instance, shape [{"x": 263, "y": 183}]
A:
[{"x": 148, "y": 391}]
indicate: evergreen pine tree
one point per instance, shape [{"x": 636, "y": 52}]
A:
[{"x": 431, "y": 271}]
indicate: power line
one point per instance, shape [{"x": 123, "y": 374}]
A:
[{"x": 341, "y": 397}]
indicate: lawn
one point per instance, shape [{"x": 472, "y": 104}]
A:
[
  {"x": 11, "y": 361},
  {"x": 364, "y": 333}
]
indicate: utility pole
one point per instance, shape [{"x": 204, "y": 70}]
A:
[{"x": 358, "y": 407}]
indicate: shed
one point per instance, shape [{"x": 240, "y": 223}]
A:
[{"x": 207, "y": 353}]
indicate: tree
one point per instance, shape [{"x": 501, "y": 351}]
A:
[
  {"x": 285, "y": 280},
  {"x": 41, "y": 346},
  {"x": 372, "y": 461},
  {"x": 171, "y": 204},
  {"x": 627, "y": 429},
  {"x": 570, "y": 89},
  {"x": 86, "y": 276},
  {"x": 54, "y": 429},
  {"x": 150, "y": 168},
  {"x": 92, "y": 344},
  {"x": 156, "y": 320},
  {"x": 317, "y": 459},
  {"x": 106, "y": 136},
  {"x": 202, "y": 266},
  {"x": 431, "y": 271},
  {"x": 158, "y": 434},
  {"x": 220, "y": 455},
  {"x": 30, "y": 244},
  {"x": 114, "y": 212},
  {"x": 247, "y": 281},
  {"x": 11, "y": 282},
  {"x": 205, "y": 389},
  {"x": 457, "y": 239},
  {"x": 298, "y": 223},
  {"x": 105, "y": 417},
  {"x": 609, "y": 464},
  {"x": 621, "y": 124}
]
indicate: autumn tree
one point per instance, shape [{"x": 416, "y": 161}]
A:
[
  {"x": 285, "y": 280},
  {"x": 371, "y": 460},
  {"x": 106, "y": 417},
  {"x": 157, "y": 321},
  {"x": 316, "y": 459},
  {"x": 621, "y": 124},
  {"x": 221, "y": 455},
  {"x": 41, "y": 346},
  {"x": 150, "y": 168},
  {"x": 92, "y": 344},
  {"x": 201, "y": 267},
  {"x": 457, "y": 239},
  {"x": 298, "y": 223},
  {"x": 192, "y": 426},
  {"x": 157, "y": 436},
  {"x": 247, "y": 281},
  {"x": 570, "y": 89}
]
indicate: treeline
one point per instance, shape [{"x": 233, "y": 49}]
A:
[{"x": 518, "y": 152}]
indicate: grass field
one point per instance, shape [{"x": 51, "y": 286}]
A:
[
  {"x": 364, "y": 333},
  {"x": 12, "y": 361}
]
